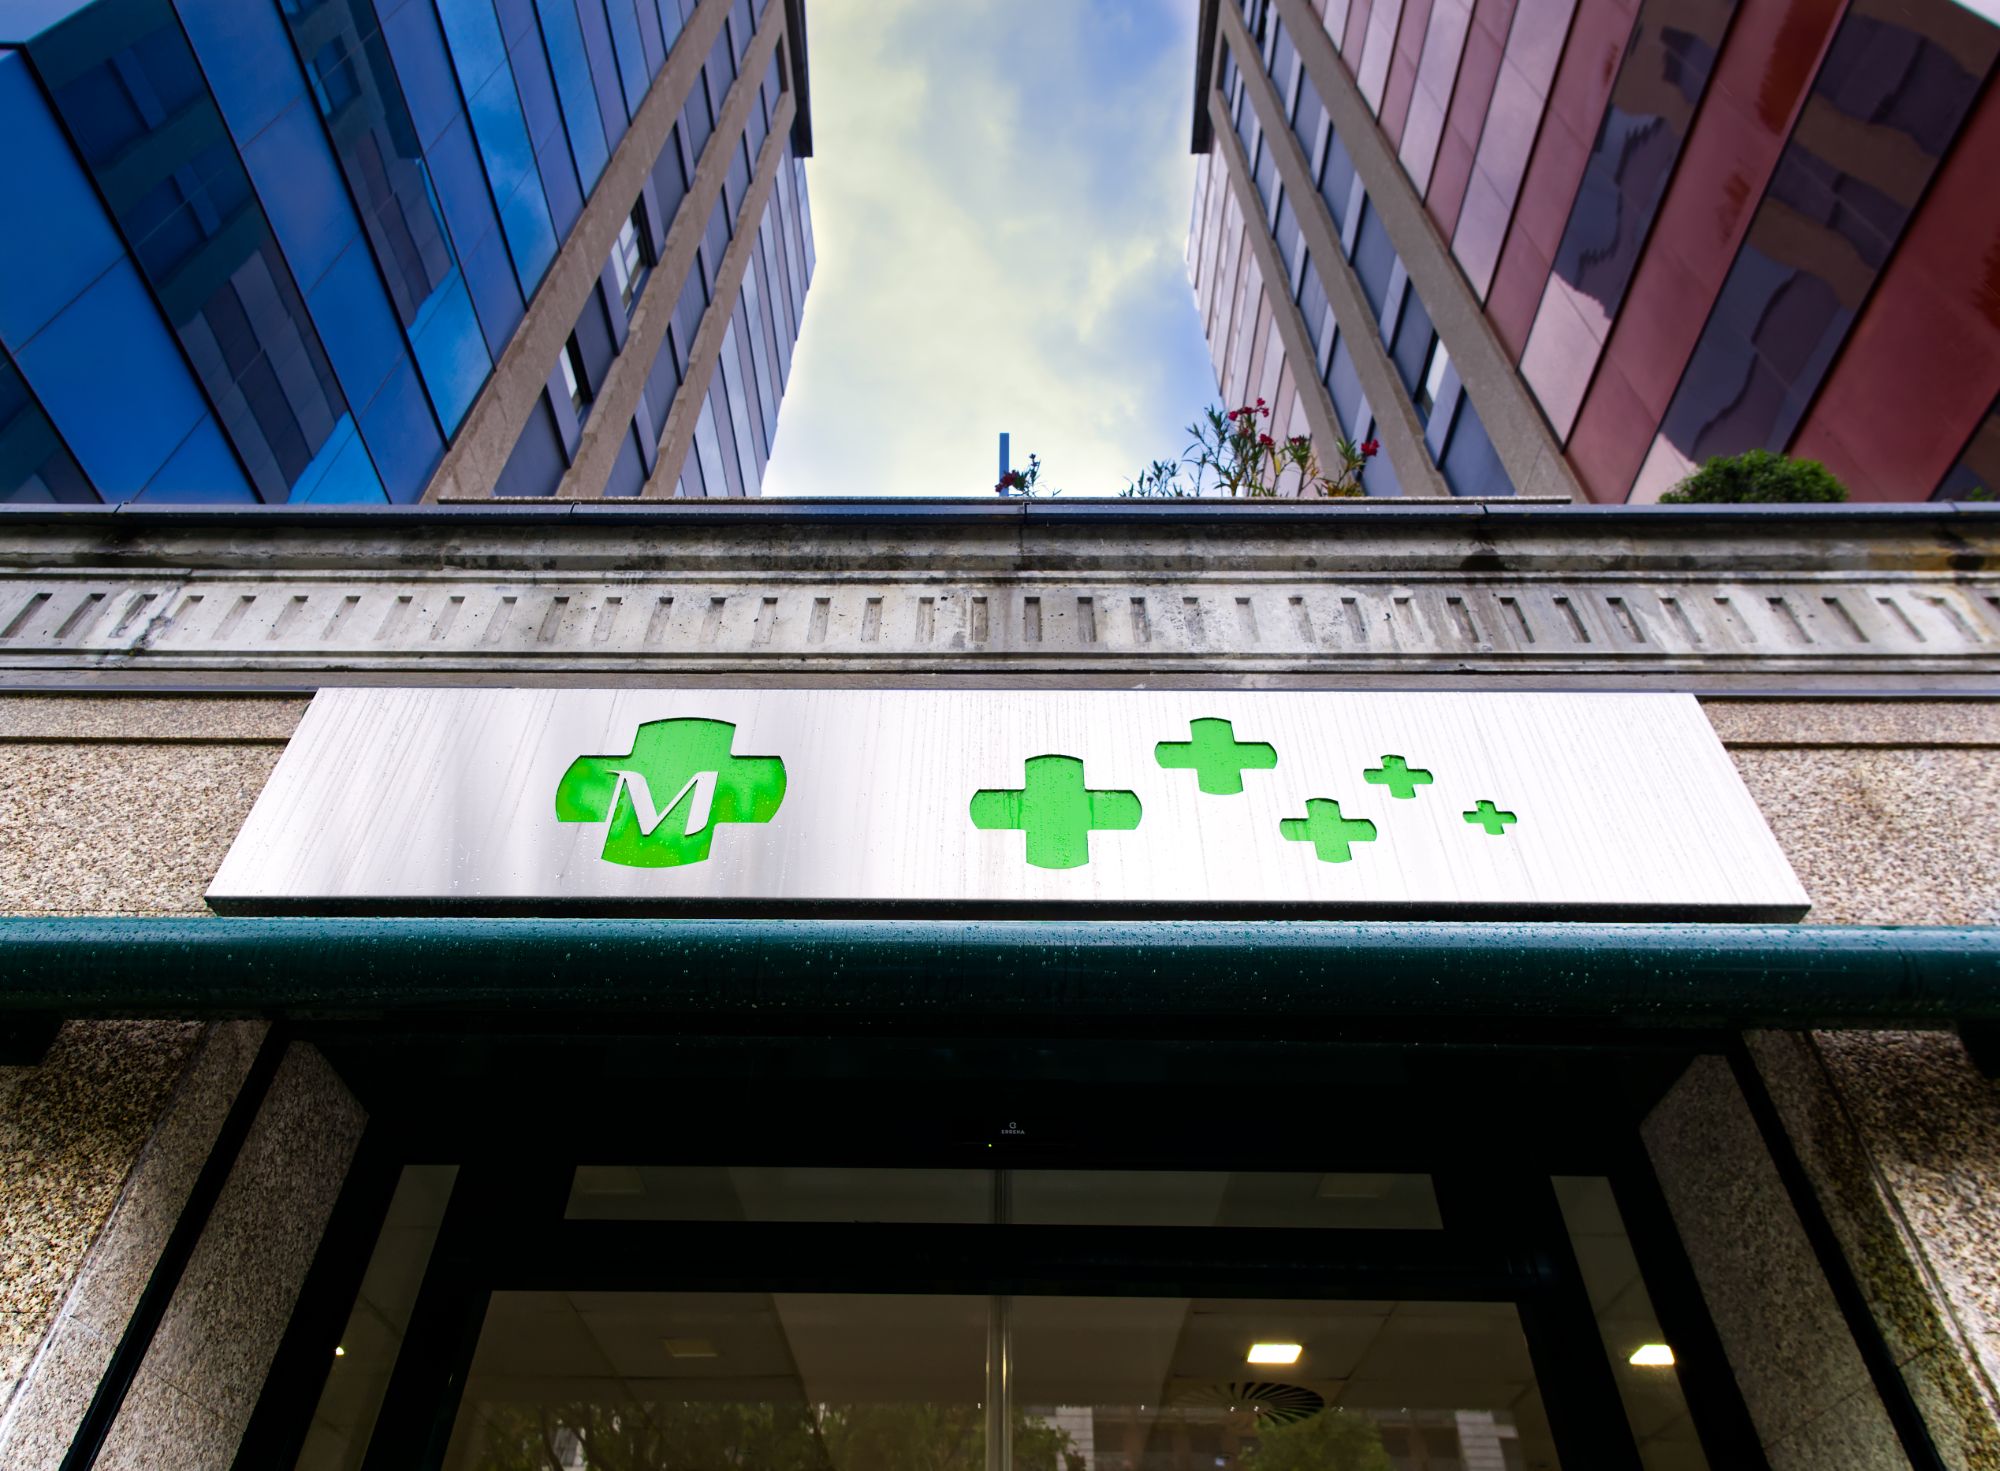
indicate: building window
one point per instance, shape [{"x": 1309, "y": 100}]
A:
[
  {"x": 574, "y": 378},
  {"x": 1433, "y": 384},
  {"x": 630, "y": 257}
]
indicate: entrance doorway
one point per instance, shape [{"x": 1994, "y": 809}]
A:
[{"x": 612, "y": 1317}]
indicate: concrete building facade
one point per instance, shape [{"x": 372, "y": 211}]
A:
[
  {"x": 1576, "y": 249},
  {"x": 370, "y": 254},
  {"x": 352, "y": 1190}
]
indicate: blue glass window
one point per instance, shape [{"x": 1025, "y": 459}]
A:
[
  {"x": 714, "y": 241},
  {"x": 670, "y": 22},
  {"x": 1343, "y": 384},
  {"x": 693, "y": 301},
  {"x": 748, "y": 452},
  {"x": 695, "y": 127},
  {"x": 628, "y": 471},
  {"x": 47, "y": 268},
  {"x": 1411, "y": 349},
  {"x": 762, "y": 360},
  {"x": 708, "y": 451},
  {"x": 669, "y": 181},
  {"x": 35, "y": 465},
  {"x": 1336, "y": 181},
  {"x": 535, "y": 466},
  {"x": 1471, "y": 465},
  {"x": 198, "y": 233},
  {"x": 563, "y": 36},
  {"x": 632, "y": 73},
  {"x": 1314, "y": 308},
  {"x": 479, "y": 56},
  {"x": 1374, "y": 260},
  {"x": 736, "y": 183},
  {"x": 604, "y": 78},
  {"x": 374, "y": 140},
  {"x": 662, "y": 381},
  {"x": 536, "y": 86},
  {"x": 649, "y": 35}
]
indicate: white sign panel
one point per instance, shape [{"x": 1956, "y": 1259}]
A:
[{"x": 849, "y": 800}]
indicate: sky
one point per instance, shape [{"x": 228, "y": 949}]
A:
[{"x": 1000, "y": 193}]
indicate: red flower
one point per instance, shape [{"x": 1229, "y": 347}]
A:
[
  {"x": 1371, "y": 447},
  {"x": 1265, "y": 440}
]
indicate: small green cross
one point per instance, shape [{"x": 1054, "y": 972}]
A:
[
  {"x": 1490, "y": 817},
  {"x": 1328, "y": 832},
  {"x": 1397, "y": 775},
  {"x": 1056, "y": 811},
  {"x": 1216, "y": 756}
]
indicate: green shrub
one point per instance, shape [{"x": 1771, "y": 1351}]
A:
[{"x": 1756, "y": 476}]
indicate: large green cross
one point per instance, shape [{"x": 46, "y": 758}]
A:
[
  {"x": 1397, "y": 775},
  {"x": 1330, "y": 834},
  {"x": 1056, "y": 811},
  {"x": 1490, "y": 817},
  {"x": 1217, "y": 758}
]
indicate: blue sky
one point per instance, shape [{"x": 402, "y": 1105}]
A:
[{"x": 1000, "y": 194}]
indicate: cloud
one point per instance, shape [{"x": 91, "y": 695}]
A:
[{"x": 1000, "y": 192}]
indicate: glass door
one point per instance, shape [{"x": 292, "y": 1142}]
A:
[{"x": 611, "y": 1317}]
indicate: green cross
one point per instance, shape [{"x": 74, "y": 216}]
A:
[
  {"x": 1490, "y": 817},
  {"x": 1397, "y": 775},
  {"x": 661, "y": 801},
  {"x": 1328, "y": 832},
  {"x": 1216, "y": 756},
  {"x": 1056, "y": 811}
]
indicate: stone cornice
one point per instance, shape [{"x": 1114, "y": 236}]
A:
[{"x": 1856, "y": 599}]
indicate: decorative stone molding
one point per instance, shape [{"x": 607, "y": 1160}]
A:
[{"x": 1118, "y": 592}]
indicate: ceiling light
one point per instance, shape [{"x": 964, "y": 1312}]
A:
[
  {"x": 689, "y": 1348},
  {"x": 1652, "y": 1356},
  {"x": 1274, "y": 1353},
  {"x": 339, "y": 1352}
]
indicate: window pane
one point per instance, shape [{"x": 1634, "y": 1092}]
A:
[
  {"x": 1162, "y": 1384},
  {"x": 1302, "y": 1199},
  {"x": 1896, "y": 86},
  {"x": 1649, "y": 1389},
  {"x": 359, "y": 1375},
  {"x": 659, "y": 1381}
]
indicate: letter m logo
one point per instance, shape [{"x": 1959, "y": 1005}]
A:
[{"x": 662, "y": 801}]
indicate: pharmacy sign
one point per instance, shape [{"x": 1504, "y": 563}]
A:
[{"x": 851, "y": 801}]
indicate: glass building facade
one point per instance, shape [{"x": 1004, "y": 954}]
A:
[
  {"x": 282, "y": 247},
  {"x": 1679, "y": 228}
]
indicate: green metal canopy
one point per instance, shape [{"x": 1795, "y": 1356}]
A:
[{"x": 1191, "y": 977}]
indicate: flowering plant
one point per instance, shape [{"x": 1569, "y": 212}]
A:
[
  {"x": 1022, "y": 482},
  {"x": 1234, "y": 451}
]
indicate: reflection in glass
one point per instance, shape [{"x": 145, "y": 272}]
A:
[
  {"x": 1650, "y": 1392},
  {"x": 361, "y": 103},
  {"x": 672, "y": 1381},
  {"x": 1884, "y": 109},
  {"x": 1976, "y": 476},
  {"x": 359, "y": 1375},
  {"x": 148, "y": 129},
  {"x": 827, "y": 1382},
  {"x": 34, "y": 464},
  {"x": 1659, "y": 85}
]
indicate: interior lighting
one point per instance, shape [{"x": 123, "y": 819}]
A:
[
  {"x": 1652, "y": 1356},
  {"x": 689, "y": 1348},
  {"x": 339, "y": 1351},
  {"x": 1274, "y": 1353}
]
